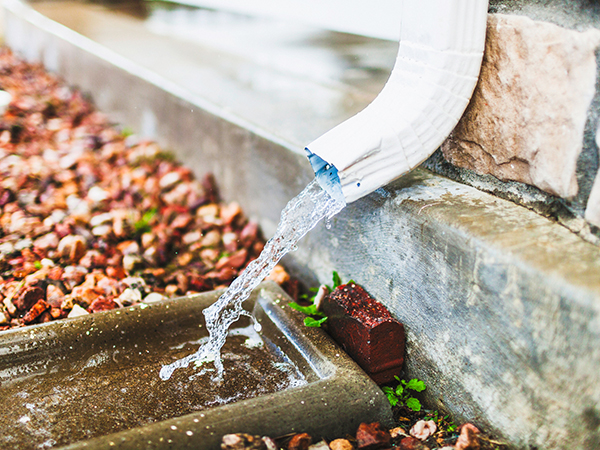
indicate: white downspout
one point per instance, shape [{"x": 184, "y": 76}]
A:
[{"x": 436, "y": 70}]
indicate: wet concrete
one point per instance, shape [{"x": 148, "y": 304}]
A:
[
  {"x": 93, "y": 381},
  {"x": 292, "y": 80},
  {"x": 114, "y": 388}
]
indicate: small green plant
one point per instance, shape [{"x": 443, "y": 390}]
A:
[
  {"x": 315, "y": 318},
  {"x": 443, "y": 423},
  {"x": 402, "y": 394},
  {"x": 143, "y": 225},
  {"x": 126, "y": 132}
]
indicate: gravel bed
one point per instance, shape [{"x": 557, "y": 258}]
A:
[{"x": 93, "y": 218}]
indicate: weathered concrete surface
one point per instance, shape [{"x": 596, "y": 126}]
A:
[
  {"x": 526, "y": 118},
  {"x": 501, "y": 306}
]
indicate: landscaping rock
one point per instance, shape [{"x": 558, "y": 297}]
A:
[
  {"x": 341, "y": 444},
  {"x": 29, "y": 297},
  {"x": 35, "y": 311},
  {"x": 300, "y": 442},
  {"x": 79, "y": 200},
  {"x": 371, "y": 436},
  {"x": 411, "y": 443},
  {"x": 397, "y": 432},
  {"x": 468, "y": 439},
  {"x": 270, "y": 443},
  {"x": 321, "y": 445},
  {"x": 242, "y": 441},
  {"x": 77, "y": 311},
  {"x": 423, "y": 429}
]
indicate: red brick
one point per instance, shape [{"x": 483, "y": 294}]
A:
[{"x": 366, "y": 331}]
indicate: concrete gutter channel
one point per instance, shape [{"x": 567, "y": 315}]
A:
[
  {"x": 333, "y": 378},
  {"x": 501, "y": 306}
]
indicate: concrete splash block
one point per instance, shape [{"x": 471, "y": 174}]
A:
[{"x": 332, "y": 378}]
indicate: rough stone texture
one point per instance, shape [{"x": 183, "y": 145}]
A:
[
  {"x": 579, "y": 15},
  {"x": 527, "y": 116}
]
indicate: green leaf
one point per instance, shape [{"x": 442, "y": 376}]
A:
[
  {"x": 399, "y": 390},
  {"x": 143, "y": 225},
  {"x": 310, "y": 310},
  {"x": 37, "y": 265},
  {"x": 337, "y": 281},
  {"x": 310, "y": 322},
  {"x": 413, "y": 404},
  {"x": 416, "y": 385},
  {"x": 391, "y": 396},
  {"x": 125, "y": 132}
]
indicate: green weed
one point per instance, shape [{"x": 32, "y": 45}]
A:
[
  {"x": 315, "y": 318},
  {"x": 443, "y": 423},
  {"x": 402, "y": 394}
]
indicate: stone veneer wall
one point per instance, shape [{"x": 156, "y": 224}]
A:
[{"x": 531, "y": 131}]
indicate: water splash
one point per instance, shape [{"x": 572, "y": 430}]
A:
[{"x": 299, "y": 216}]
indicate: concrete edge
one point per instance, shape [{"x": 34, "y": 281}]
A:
[{"x": 333, "y": 378}]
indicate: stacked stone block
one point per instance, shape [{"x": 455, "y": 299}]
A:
[{"x": 531, "y": 130}]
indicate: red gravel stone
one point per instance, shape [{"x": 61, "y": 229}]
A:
[
  {"x": 300, "y": 442},
  {"x": 101, "y": 303},
  {"x": 85, "y": 199},
  {"x": 35, "y": 311},
  {"x": 234, "y": 261},
  {"x": 468, "y": 440},
  {"x": 411, "y": 443},
  {"x": 371, "y": 436},
  {"x": 29, "y": 297}
]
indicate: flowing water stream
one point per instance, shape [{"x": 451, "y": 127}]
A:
[{"x": 299, "y": 216}]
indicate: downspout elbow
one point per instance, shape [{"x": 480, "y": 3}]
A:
[{"x": 436, "y": 70}]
